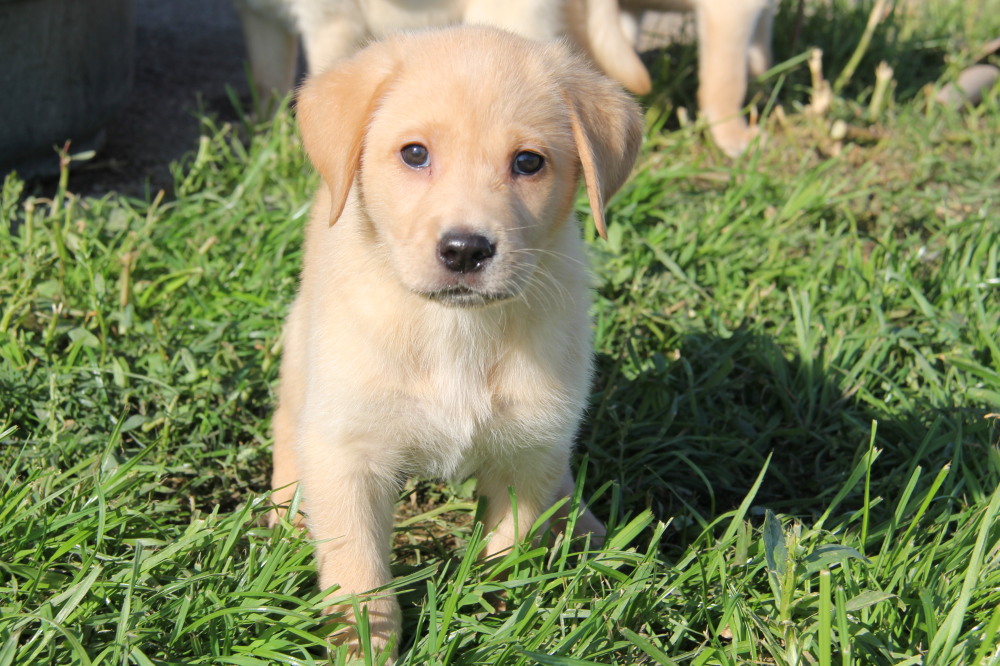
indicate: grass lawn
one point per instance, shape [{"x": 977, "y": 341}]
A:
[{"x": 794, "y": 432}]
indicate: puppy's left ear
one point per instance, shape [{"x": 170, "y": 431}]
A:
[{"x": 607, "y": 129}]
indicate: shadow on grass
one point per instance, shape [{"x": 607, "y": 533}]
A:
[{"x": 688, "y": 436}]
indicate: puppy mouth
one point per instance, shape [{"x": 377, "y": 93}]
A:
[{"x": 461, "y": 296}]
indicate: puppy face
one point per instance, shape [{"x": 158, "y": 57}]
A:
[
  {"x": 467, "y": 178},
  {"x": 466, "y": 167}
]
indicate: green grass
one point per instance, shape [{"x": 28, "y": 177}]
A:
[{"x": 794, "y": 430}]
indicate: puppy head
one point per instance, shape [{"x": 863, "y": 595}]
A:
[{"x": 467, "y": 145}]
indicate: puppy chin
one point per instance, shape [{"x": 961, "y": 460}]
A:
[{"x": 463, "y": 297}]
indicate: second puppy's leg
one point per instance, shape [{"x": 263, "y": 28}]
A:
[
  {"x": 330, "y": 32},
  {"x": 725, "y": 30},
  {"x": 542, "y": 21},
  {"x": 272, "y": 48},
  {"x": 759, "y": 55}
]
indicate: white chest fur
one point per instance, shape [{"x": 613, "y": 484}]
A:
[{"x": 483, "y": 384}]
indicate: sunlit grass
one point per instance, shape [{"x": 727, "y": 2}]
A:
[{"x": 793, "y": 433}]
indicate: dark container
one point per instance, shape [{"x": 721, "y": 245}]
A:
[{"x": 65, "y": 70}]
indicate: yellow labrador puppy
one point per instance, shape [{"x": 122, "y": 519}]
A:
[{"x": 441, "y": 327}]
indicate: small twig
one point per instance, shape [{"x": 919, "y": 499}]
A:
[
  {"x": 988, "y": 49},
  {"x": 874, "y": 18},
  {"x": 821, "y": 95},
  {"x": 883, "y": 79}
]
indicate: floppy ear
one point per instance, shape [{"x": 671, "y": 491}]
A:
[
  {"x": 607, "y": 129},
  {"x": 333, "y": 110}
]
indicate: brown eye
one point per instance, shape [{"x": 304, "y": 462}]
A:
[
  {"x": 415, "y": 155},
  {"x": 527, "y": 163}
]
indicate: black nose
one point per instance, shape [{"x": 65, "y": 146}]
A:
[{"x": 463, "y": 252}]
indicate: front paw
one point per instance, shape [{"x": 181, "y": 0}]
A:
[{"x": 366, "y": 626}]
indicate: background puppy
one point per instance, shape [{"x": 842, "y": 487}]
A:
[
  {"x": 335, "y": 29},
  {"x": 734, "y": 38},
  {"x": 442, "y": 323}
]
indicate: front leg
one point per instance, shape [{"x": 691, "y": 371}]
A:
[
  {"x": 349, "y": 488},
  {"x": 586, "y": 522},
  {"x": 538, "y": 480}
]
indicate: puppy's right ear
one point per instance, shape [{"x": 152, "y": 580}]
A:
[{"x": 333, "y": 110}]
